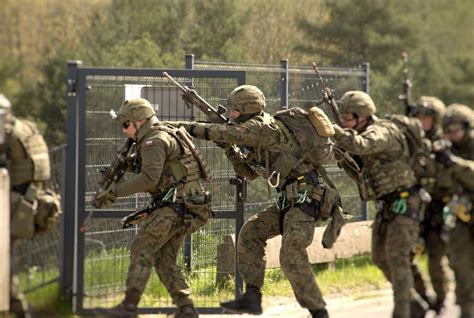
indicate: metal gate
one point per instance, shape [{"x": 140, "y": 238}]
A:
[{"x": 99, "y": 253}]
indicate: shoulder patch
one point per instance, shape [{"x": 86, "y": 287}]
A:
[{"x": 148, "y": 143}]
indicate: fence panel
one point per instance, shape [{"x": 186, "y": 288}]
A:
[{"x": 303, "y": 89}]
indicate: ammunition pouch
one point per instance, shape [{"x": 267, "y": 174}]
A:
[
  {"x": 49, "y": 211},
  {"x": 366, "y": 191},
  {"x": 199, "y": 208},
  {"x": 24, "y": 209},
  {"x": 305, "y": 193}
]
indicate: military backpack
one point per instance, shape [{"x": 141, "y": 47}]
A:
[{"x": 419, "y": 147}]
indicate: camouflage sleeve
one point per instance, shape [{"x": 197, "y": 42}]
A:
[
  {"x": 374, "y": 139},
  {"x": 249, "y": 133},
  {"x": 463, "y": 172},
  {"x": 153, "y": 152},
  {"x": 240, "y": 167}
]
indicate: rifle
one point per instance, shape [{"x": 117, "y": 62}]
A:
[
  {"x": 111, "y": 174},
  {"x": 191, "y": 97},
  {"x": 136, "y": 217},
  {"x": 406, "y": 86},
  {"x": 328, "y": 96}
]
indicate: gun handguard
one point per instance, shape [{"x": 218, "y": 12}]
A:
[
  {"x": 328, "y": 95},
  {"x": 192, "y": 97}
]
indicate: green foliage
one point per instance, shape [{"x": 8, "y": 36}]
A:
[{"x": 37, "y": 43}]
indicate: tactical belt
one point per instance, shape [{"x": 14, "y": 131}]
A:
[
  {"x": 390, "y": 199},
  {"x": 395, "y": 195},
  {"x": 309, "y": 203}
]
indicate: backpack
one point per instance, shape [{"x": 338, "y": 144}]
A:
[
  {"x": 419, "y": 147},
  {"x": 312, "y": 130}
]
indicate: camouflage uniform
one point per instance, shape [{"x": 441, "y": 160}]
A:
[
  {"x": 270, "y": 146},
  {"x": 458, "y": 180},
  {"x": 27, "y": 161},
  {"x": 170, "y": 169},
  {"x": 386, "y": 176},
  {"x": 432, "y": 226}
]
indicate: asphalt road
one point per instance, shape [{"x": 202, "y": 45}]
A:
[{"x": 378, "y": 304}]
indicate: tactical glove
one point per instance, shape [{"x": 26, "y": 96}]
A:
[
  {"x": 445, "y": 157},
  {"x": 104, "y": 199}
]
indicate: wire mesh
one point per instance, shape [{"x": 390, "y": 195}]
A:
[
  {"x": 36, "y": 261},
  {"x": 106, "y": 251},
  {"x": 305, "y": 91}
]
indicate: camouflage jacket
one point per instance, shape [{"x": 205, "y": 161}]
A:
[
  {"x": 159, "y": 162},
  {"x": 465, "y": 147},
  {"x": 382, "y": 152},
  {"x": 262, "y": 143}
]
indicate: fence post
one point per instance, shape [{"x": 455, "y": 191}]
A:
[
  {"x": 188, "y": 241},
  {"x": 365, "y": 83},
  {"x": 284, "y": 83},
  {"x": 364, "y": 206},
  {"x": 69, "y": 198}
]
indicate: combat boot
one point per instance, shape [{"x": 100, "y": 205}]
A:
[
  {"x": 186, "y": 311},
  {"x": 319, "y": 313},
  {"x": 127, "y": 308},
  {"x": 250, "y": 303}
]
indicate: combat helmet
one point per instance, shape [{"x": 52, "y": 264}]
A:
[
  {"x": 458, "y": 113},
  {"x": 247, "y": 99},
  {"x": 5, "y": 103},
  {"x": 430, "y": 105},
  {"x": 357, "y": 102},
  {"x": 135, "y": 109}
]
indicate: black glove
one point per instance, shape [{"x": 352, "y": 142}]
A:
[
  {"x": 445, "y": 157},
  {"x": 105, "y": 199}
]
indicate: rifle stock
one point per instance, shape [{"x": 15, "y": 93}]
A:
[
  {"x": 190, "y": 96},
  {"x": 328, "y": 96}
]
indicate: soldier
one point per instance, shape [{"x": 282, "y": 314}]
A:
[
  {"x": 270, "y": 146},
  {"x": 34, "y": 209},
  {"x": 170, "y": 168},
  {"x": 458, "y": 127},
  {"x": 387, "y": 177},
  {"x": 430, "y": 110},
  {"x": 458, "y": 123}
]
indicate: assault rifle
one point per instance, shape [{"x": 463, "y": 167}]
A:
[
  {"x": 111, "y": 174},
  {"x": 191, "y": 97},
  {"x": 116, "y": 169},
  {"x": 406, "y": 86},
  {"x": 328, "y": 96},
  {"x": 136, "y": 217}
]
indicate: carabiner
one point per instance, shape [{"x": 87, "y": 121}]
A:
[{"x": 269, "y": 180}]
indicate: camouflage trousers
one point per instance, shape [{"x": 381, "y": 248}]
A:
[
  {"x": 461, "y": 258},
  {"x": 437, "y": 250},
  {"x": 298, "y": 232},
  {"x": 157, "y": 244},
  {"x": 393, "y": 242}
]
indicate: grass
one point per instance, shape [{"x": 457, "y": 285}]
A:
[{"x": 347, "y": 276}]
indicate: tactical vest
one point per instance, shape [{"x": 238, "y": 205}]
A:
[
  {"x": 35, "y": 166},
  {"x": 189, "y": 166},
  {"x": 419, "y": 155},
  {"x": 385, "y": 172},
  {"x": 465, "y": 148},
  {"x": 302, "y": 147}
]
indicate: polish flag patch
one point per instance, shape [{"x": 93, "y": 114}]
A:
[{"x": 148, "y": 143}]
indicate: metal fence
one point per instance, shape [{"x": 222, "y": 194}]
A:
[
  {"x": 101, "y": 250},
  {"x": 37, "y": 261},
  {"x": 93, "y": 261},
  {"x": 286, "y": 85}
]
